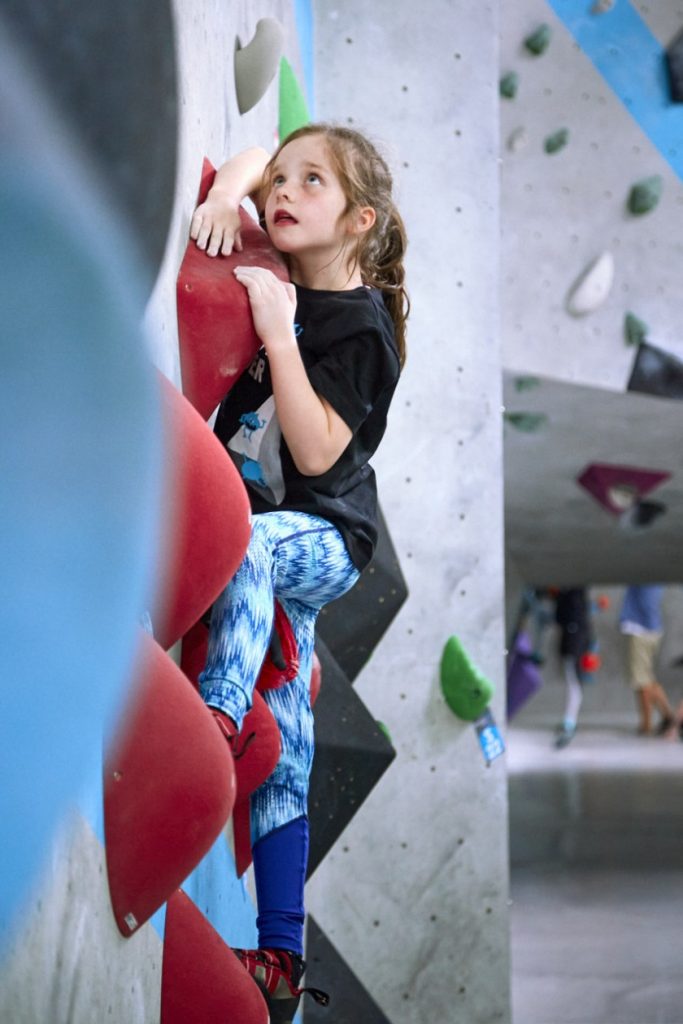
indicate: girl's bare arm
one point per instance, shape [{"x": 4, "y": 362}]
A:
[{"x": 216, "y": 223}]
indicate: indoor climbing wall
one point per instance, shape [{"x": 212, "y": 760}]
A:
[
  {"x": 592, "y": 198},
  {"x": 414, "y": 895},
  {"x": 591, "y": 212},
  {"x": 133, "y": 914}
]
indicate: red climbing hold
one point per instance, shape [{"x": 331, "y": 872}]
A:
[
  {"x": 316, "y": 678},
  {"x": 210, "y": 527},
  {"x": 202, "y": 981},
  {"x": 273, "y": 676},
  {"x": 169, "y": 789},
  {"x": 215, "y": 326}
]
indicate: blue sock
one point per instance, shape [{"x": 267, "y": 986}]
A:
[{"x": 280, "y": 861}]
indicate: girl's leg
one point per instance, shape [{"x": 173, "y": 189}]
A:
[{"x": 280, "y": 862}]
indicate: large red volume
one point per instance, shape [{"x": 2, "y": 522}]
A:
[
  {"x": 209, "y": 518},
  {"x": 169, "y": 789},
  {"x": 215, "y": 327},
  {"x": 202, "y": 981}
]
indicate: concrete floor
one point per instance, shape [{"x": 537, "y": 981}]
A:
[{"x": 597, "y": 878}]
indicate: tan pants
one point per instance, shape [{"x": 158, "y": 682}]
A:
[{"x": 641, "y": 652}]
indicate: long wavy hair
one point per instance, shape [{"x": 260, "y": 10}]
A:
[{"x": 366, "y": 181}]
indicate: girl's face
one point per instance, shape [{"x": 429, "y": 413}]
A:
[{"x": 305, "y": 206}]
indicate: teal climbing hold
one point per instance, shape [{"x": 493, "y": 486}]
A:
[
  {"x": 557, "y": 141},
  {"x": 467, "y": 692},
  {"x": 293, "y": 112},
  {"x": 635, "y": 331},
  {"x": 526, "y": 383},
  {"x": 509, "y": 84},
  {"x": 527, "y": 422},
  {"x": 645, "y": 194},
  {"x": 538, "y": 42}
]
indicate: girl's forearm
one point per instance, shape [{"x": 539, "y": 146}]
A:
[
  {"x": 315, "y": 434},
  {"x": 241, "y": 176}
]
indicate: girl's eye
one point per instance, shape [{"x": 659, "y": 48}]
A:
[
  {"x": 278, "y": 179},
  {"x": 313, "y": 179}
]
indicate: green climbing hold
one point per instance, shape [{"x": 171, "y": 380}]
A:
[
  {"x": 645, "y": 195},
  {"x": 558, "y": 140},
  {"x": 293, "y": 108},
  {"x": 467, "y": 692},
  {"x": 526, "y": 383},
  {"x": 383, "y": 729},
  {"x": 635, "y": 331},
  {"x": 527, "y": 422},
  {"x": 509, "y": 84},
  {"x": 538, "y": 42}
]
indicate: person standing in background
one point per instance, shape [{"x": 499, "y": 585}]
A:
[
  {"x": 640, "y": 622},
  {"x": 572, "y": 615}
]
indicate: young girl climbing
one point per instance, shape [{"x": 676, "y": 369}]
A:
[{"x": 301, "y": 424}]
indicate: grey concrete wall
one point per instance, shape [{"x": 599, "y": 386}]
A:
[
  {"x": 415, "y": 893},
  {"x": 561, "y": 211}
]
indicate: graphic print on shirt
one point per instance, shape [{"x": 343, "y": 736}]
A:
[{"x": 255, "y": 450}]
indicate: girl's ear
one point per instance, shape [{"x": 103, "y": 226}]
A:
[{"x": 361, "y": 220}]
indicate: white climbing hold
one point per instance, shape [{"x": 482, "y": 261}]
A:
[
  {"x": 257, "y": 63},
  {"x": 592, "y": 287},
  {"x": 518, "y": 140}
]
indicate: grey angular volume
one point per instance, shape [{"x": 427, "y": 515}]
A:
[{"x": 257, "y": 63}]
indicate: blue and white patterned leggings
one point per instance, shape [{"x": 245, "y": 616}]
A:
[{"x": 303, "y": 561}]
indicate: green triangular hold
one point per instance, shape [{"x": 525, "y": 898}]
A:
[
  {"x": 467, "y": 692},
  {"x": 383, "y": 729},
  {"x": 508, "y": 85},
  {"x": 293, "y": 108},
  {"x": 526, "y": 383},
  {"x": 537, "y": 43},
  {"x": 645, "y": 194},
  {"x": 635, "y": 330},
  {"x": 558, "y": 140},
  {"x": 528, "y": 422}
]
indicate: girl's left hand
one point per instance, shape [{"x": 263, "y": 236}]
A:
[{"x": 273, "y": 304}]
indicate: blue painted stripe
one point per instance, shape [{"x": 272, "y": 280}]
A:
[{"x": 632, "y": 62}]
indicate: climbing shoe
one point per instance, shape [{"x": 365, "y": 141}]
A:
[
  {"x": 277, "y": 973},
  {"x": 236, "y": 741}
]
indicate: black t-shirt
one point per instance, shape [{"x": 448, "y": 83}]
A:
[{"x": 346, "y": 340}]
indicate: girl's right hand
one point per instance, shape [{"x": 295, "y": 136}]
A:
[{"x": 216, "y": 226}]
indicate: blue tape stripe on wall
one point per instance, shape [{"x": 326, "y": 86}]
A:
[
  {"x": 632, "y": 62},
  {"x": 303, "y": 13}
]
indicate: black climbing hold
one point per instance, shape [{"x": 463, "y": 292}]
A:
[
  {"x": 674, "y": 65},
  {"x": 353, "y": 626},
  {"x": 352, "y": 753},
  {"x": 656, "y": 372},
  {"x": 349, "y": 1001}
]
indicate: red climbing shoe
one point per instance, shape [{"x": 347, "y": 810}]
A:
[
  {"x": 278, "y": 973},
  {"x": 238, "y": 744}
]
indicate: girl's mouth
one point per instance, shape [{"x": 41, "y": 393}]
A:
[{"x": 283, "y": 217}]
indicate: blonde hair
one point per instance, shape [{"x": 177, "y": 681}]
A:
[{"x": 366, "y": 180}]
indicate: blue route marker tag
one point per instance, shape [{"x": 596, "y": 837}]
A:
[{"x": 490, "y": 739}]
